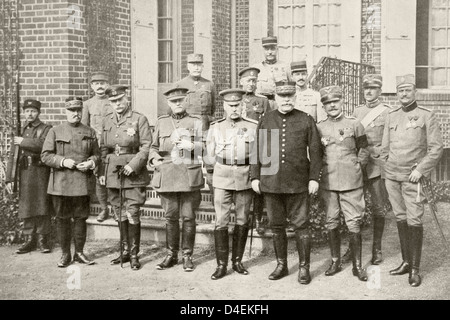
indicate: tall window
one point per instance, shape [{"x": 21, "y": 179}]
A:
[
  {"x": 167, "y": 40},
  {"x": 309, "y": 29}
]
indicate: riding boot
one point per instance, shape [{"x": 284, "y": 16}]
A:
[
  {"x": 134, "y": 234},
  {"x": 64, "y": 229},
  {"x": 404, "y": 268},
  {"x": 415, "y": 247},
  {"x": 222, "y": 249},
  {"x": 347, "y": 256},
  {"x": 334, "y": 241},
  {"x": 378, "y": 228},
  {"x": 356, "y": 245},
  {"x": 280, "y": 246},
  {"x": 43, "y": 243},
  {"x": 123, "y": 229},
  {"x": 303, "y": 242},
  {"x": 258, "y": 208},
  {"x": 187, "y": 243},
  {"x": 80, "y": 232},
  {"x": 29, "y": 244},
  {"x": 172, "y": 244},
  {"x": 240, "y": 234}
]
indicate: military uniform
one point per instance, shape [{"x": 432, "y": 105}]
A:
[
  {"x": 126, "y": 142},
  {"x": 345, "y": 154},
  {"x": 308, "y": 101},
  {"x": 35, "y": 206},
  {"x": 285, "y": 178},
  {"x": 412, "y": 141},
  {"x": 255, "y": 106},
  {"x": 230, "y": 144},
  {"x": 70, "y": 188},
  {"x": 179, "y": 179},
  {"x": 94, "y": 111},
  {"x": 373, "y": 116}
]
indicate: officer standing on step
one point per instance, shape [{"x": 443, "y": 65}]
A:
[
  {"x": 125, "y": 145},
  {"x": 178, "y": 176},
  {"x": 230, "y": 144},
  {"x": 71, "y": 150}
]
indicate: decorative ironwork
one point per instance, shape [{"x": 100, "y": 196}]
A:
[
  {"x": 348, "y": 75},
  {"x": 9, "y": 72},
  {"x": 101, "y": 30}
]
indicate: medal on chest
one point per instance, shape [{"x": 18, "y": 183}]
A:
[
  {"x": 341, "y": 133},
  {"x": 412, "y": 122}
]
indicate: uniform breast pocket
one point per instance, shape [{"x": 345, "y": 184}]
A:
[
  {"x": 106, "y": 133},
  {"x": 349, "y": 140},
  {"x": 393, "y": 133},
  {"x": 62, "y": 145},
  {"x": 87, "y": 143},
  {"x": 205, "y": 98}
]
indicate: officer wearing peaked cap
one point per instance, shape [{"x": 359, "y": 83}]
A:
[
  {"x": 345, "y": 154},
  {"x": 34, "y": 204},
  {"x": 71, "y": 150},
  {"x": 178, "y": 177},
  {"x": 125, "y": 145},
  {"x": 230, "y": 144},
  {"x": 412, "y": 146},
  {"x": 288, "y": 177}
]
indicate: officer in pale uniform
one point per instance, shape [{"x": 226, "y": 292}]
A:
[
  {"x": 412, "y": 147},
  {"x": 230, "y": 144},
  {"x": 345, "y": 155},
  {"x": 308, "y": 100}
]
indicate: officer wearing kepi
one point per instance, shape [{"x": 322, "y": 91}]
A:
[
  {"x": 35, "y": 207},
  {"x": 125, "y": 145},
  {"x": 94, "y": 111},
  {"x": 230, "y": 144},
  {"x": 254, "y": 107},
  {"x": 412, "y": 147},
  {"x": 288, "y": 178},
  {"x": 71, "y": 150},
  {"x": 178, "y": 177},
  {"x": 345, "y": 155}
]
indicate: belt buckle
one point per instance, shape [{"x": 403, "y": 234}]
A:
[{"x": 117, "y": 150}]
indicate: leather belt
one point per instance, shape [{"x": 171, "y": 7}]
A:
[
  {"x": 118, "y": 150},
  {"x": 234, "y": 162}
]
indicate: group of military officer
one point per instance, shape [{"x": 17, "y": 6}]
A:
[{"x": 278, "y": 144}]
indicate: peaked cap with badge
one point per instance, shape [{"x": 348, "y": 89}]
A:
[{"x": 30, "y": 103}]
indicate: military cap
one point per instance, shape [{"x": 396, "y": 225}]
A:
[
  {"x": 116, "y": 92},
  {"x": 195, "y": 58},
  {"x": 100, "y": 76},
  {"x": 298, "y": 66},
  {"x": 249, "y": 72},
  {"x": 232, "y": 96},
  {"x": 30, "y": 103},
  {"x": 331, "y": 93},
  {"x": 269, "y": 41},
  {"x": 285, "y": 88},
  {"x": 408, "y": 79},
  {"x": 372, "y": 81},
  {"x": 176, "y": 93},
  {"x": 74, "y": 103}
]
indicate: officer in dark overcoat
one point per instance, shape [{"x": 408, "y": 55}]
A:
[{"x": 35, "y": 206}]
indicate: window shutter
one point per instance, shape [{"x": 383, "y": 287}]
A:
[
  {"x": 144, "y": 61},
  {"x": 398, "y": 41},
  {"x": 351, "y": 30}
]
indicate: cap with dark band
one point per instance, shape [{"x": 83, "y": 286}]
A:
[
  {"x": 298, "y": 66},
  {"x": 232, "y": 96},
  {"x": 285, "y": 88},
  {"x": 331, "y": 93},
  {"x": 269, "y": 41},
  {"x": 408, "y": 79},
  {"x": 30, "y": 103},
  {"x": 116, "y": 92},
  {"x": 195, "y": 58},
  {"x": 372, "y": 81},
  {"x": 249, "y": 72},
  {"x": 176, "y": 93},
  {"x": 74, "y": 103},
  {"x": 100, "y": 76}
]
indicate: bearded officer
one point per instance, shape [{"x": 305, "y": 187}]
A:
[
  {"x": 178, "y": 177},
  {"x": 230, "y": 144},
  {"x": 94, "y": 111},
  {"x": 288, "y": 177},
  {"x": 35, "y": 206},
  {"x": 412, "y": 147},
  {"x": 71, "y": 150},
  {"x": 125, "y": 145},
  {"x": 255, "y": 106}
]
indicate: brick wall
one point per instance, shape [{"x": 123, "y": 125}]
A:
[
  {"x": 242, "y": 36},
  {"x": 187, "y": 33},
  {"x": 371, "y": 33},
  {"x": 123, "y": 40},
  {"x": 271, "y": 18}
]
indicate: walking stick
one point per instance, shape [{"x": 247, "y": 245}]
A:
[
  {"x": 119, "y": 170},
  {"x": 251, "y": 231}
]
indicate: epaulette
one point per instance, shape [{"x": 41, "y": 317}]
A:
[
  {"x": 217, "y": 121},
  {"x": 392, "y": 111},
  {"x": 386, "y": 105},
  {"x": 195, "y": 116},
  {"x": 109, "y": 113},
  {"x": 323, "y": 120},
  {"x": 138, "y": 113},
  {"x": 350, "y": 117},
  {"x": 426, "y": 109},
  {"x": 250, "y": 120},
  {"x": 360, "y": 106},
  {"x": 260, "y": 96},
  {"x": 163, "y": 116}
]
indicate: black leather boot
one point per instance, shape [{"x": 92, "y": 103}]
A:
[
  {"x": 173, "y": 245},
  {"x": 378, "y": 228},
  {"x": 123, "y": 228},
  {"x": 240, "y": 234},
  {"x": 404, "y": 268},
  {"x": 64, "y": 229},
  {"x": 415, "y": 247},
  {"x": 280, "y": 246},
  {"x": 334, "y": 241},
  {"x": 29, "y": 244},
  {"x": 134, "y": 233},
  {"x": 43, "y": 243},
  {"x": 187, "y": 244},
  {"x": 303, "y": 242},
  {"x": 347, "y": 256},
  {"x": 258, "y": 208},
  {"x": 80, "y": 232},
  {"x": 356, "y": 245},
  {"x": 222, "y": 245}
]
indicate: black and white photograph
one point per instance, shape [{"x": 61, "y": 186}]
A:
[{"x": 220, "y": 156}]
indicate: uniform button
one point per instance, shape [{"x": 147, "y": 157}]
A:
[
  {"x": 283, "y": 150},
  {"x": 284, "y": 120},
  {"x": 284, "y": 156},
  {"x": 284, "y": 140},
  {"x": 282, "y": 161},
  {"x": 284, "y": 130},
  {"x": 117, "y": 135},
  {"x": 283, "y": 145}
]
